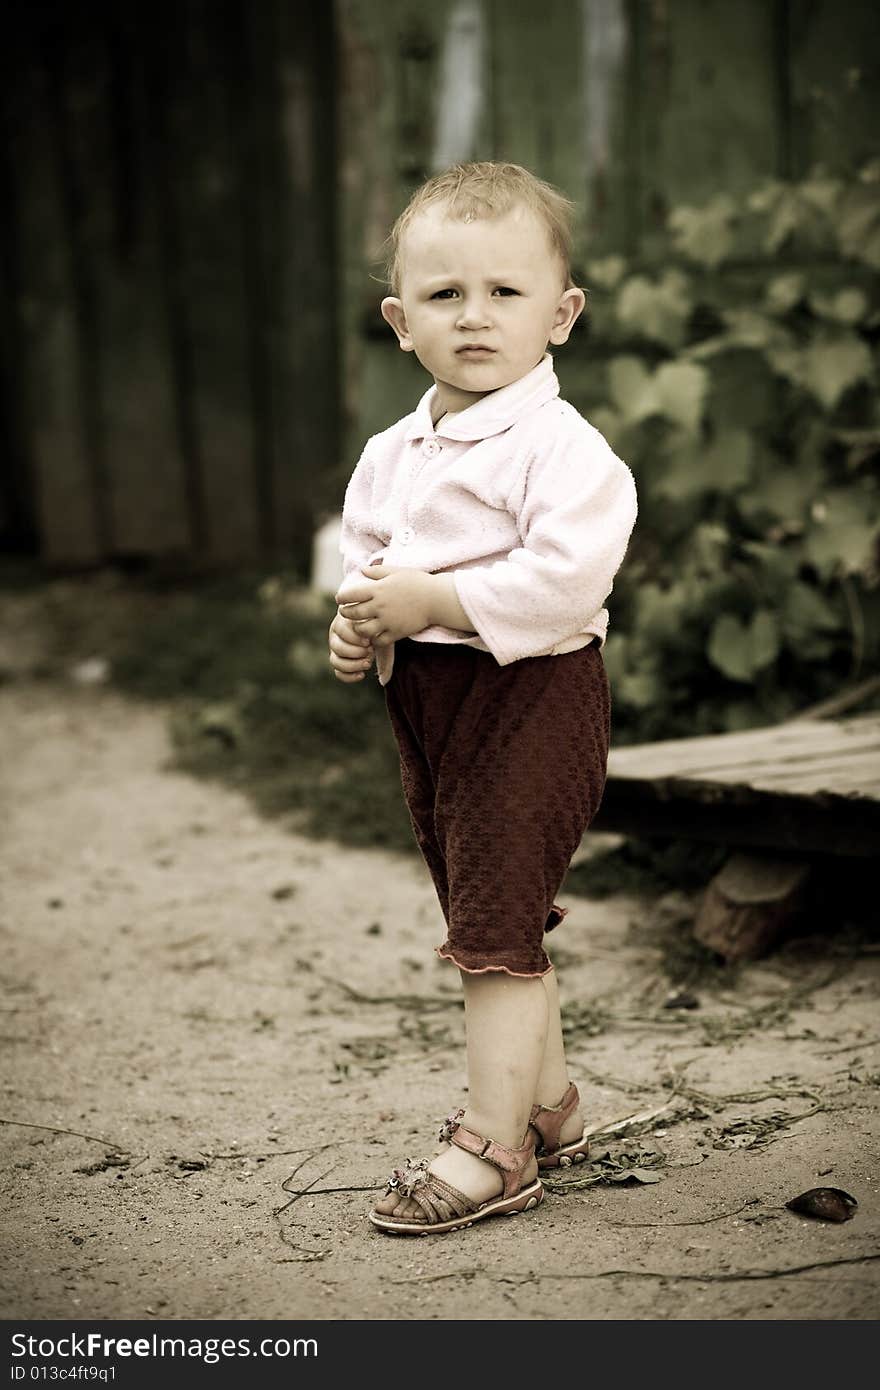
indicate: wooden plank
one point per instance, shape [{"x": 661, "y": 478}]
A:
[
  {"x": 533, "y": 48},
  {"x": 738, "y": 816},
  {"x": 611, "y": 115},
  {"x": 711, "y": 116},
  {"x": 834, "y": 60},
  {"x": 848, "y": 777},
  {"x": 17, "y": 502},
  {"x": 120, "y": 350},
  {"x": 205, "y": 135},
  {"x": 60, "y": 394},
  {"x": 118, "y": 123},
  {"x": 808, "y": 786},
  {"x": 302, "y": 258},
  {"x": 389, "y": 57},
  {"x": 709, "y": 755}
]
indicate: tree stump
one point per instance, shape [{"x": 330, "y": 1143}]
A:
[{"x": 750, "y": 903}]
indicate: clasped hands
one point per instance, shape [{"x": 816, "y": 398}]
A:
[{"x": 385, "y": 605}]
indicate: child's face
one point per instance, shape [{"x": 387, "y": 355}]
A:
[{"x": 480, "y": 300}]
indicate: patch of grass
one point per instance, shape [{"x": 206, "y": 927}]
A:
[{"x": 244, "y": 664}]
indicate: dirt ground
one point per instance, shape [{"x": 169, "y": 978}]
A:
[{"x": 220, "y": 1036}]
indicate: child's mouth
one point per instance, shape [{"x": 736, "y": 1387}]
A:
[{"x": 474, "y": 350}]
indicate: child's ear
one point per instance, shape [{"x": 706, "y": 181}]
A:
[
  {"x": 392, "y": 312},
  {"x": 570, "y": 305}
]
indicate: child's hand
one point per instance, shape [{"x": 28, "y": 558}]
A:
[
  {"x": 351, "y": 655},
  {"x": 388, "y": 605}
]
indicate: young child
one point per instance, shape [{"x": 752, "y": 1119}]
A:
[{"x": 481, "y": 535}]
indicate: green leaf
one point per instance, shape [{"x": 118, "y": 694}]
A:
[
  {"x": 822, "y": 192},
  {"x": 848, "y": 305},
  {"x": 656, "y": 310},
  {"x": 806, "y": 618},
  {"x": 763, "y": 199},
  {"x": 659, "y": 610},
  {"x": 744, "y": 391},
  {"x": 778, "y": 563},
  {"x": 785, "y": 494},
  {"x": 723, "y": 466},
  {"x": 830, "y": 365},
  {"x": 641, "y": 689},
  {"x": 784, "y": 292},
  {"x": 858, "y": 223},
  {"x": 606, "y": 272},
  {"x": 632, "y": 388},
  {"x": 680, "y": 390},
  {"x": 609, "y": 424},
  {"x": 745, "y": 328},
  {"x": 681, "y": 475},
  {"x": 705, "y": 233},
  {"x": 730, "y": 459},
  {"x": 791, "y": 212},
  {"x": 785, "y": 218},
  {"x": 844, "y": 531},
  {"x": 739, "y": 650}
]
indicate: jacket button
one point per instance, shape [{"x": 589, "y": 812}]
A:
[
  {"x": 430, "y": 448},
  {"x": 406, "y": 535}
]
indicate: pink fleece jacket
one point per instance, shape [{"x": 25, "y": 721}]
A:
[{"x": 519, "y": 496}]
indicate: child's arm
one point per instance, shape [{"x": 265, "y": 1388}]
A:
[
  {"x": 575, "y": 507},
  {"x": 387, "y": 604},
  {"x": 359, "y": 540}
]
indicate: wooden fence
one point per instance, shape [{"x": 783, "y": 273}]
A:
[
  {"x": 195, "y": 197},
  {"x": 170, "y": 359}
]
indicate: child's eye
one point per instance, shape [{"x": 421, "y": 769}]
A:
[
  {"x": 506, "y": 289},
  {"x": 443, "y": 294}
]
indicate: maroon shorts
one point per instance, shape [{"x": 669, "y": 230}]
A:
[{"x": 503, "y": 768}]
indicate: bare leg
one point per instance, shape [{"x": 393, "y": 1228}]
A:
[
  {"x": 553, "y": 1078},
  {"x": 506, "y": 1022}
]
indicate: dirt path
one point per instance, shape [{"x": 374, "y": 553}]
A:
[{"x": 221, "y": 1003}]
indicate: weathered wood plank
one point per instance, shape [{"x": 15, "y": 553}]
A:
[
  {"x": 388, "y": 83},
  {"x": 738, "y": 816},
  {"x": 834, "y": 65},
  {"x": 538, "y": 96},
  {"x": 59, "y": 394},
  {"x": 710, "y": 104},
  {"x": 808, "y": 785},
  {"x": 117, "y": 118},
  {"x": 203, "y": 132},
  {"x": 752, "y": 752},
  {"x": 18, "y": 528},
  {"x": 301, "y": 258},
  {"x": 123, "y": 350}
]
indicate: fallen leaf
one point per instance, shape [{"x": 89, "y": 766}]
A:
[{"x": 825, "y": 1203}]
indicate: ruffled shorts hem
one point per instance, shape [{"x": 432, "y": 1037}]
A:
[{"x": 445, "y": 952}]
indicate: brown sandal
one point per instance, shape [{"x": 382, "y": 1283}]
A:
[
  {"x": 547, "y": 1120},
  {"x": 432, "y": 1194}
]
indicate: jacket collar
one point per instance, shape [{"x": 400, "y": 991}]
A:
[{"x": 492, "y": 413}]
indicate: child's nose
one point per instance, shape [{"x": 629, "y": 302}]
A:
[{"x": 474, "y": 313}]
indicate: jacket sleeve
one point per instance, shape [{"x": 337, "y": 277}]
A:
[
  {"x": 575, "y": 509},
  {"x": 358, "y": 541}
]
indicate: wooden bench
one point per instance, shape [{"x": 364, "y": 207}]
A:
[{"x": 810, "y": 786}]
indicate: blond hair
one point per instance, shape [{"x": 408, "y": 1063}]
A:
[{"x": 490, "y": 190}]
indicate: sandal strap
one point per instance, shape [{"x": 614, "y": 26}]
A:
[
  {"x": 549, "y": 1119},
  {"x": 509, "y": 1162},
  {"x": 426, "y": 1195}
]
